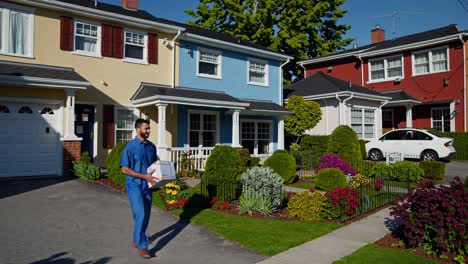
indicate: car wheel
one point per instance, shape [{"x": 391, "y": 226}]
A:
[
  {"x": 375, "y": 154},
  {"x": 429, "y": 155}
]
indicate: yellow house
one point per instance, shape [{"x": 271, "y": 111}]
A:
[{"x": 67, "y": 72}]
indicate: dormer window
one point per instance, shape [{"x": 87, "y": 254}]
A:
[{"x": 209, "y": 63}]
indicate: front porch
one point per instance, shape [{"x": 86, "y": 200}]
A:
[{"x": 206, "y": 119}]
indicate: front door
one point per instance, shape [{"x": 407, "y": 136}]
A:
[{"x": 84, "y": 127}]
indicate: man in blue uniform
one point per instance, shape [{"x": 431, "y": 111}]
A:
[{"x": 137, "y": 156}]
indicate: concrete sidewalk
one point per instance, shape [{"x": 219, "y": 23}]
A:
[{"x": 339, "y": 243}]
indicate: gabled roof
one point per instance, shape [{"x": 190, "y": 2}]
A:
[
  {"x": 268, "y": 106},
  {"x": 322, "y": 84},
  {"x": 400, "y": 96},
  {"x": 427, "y": 36},
  {"x": 141, "y": 14}
]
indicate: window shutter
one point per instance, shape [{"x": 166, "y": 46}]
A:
[
  {"x": 152, "y": 48},
  {"x": 117, "y": 42},
  {"x": 106, "y": 43},
  {"x": 66, "y": 33},
  {"x": 109, "y": 127}
]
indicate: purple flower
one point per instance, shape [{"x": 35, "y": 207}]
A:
[{"x": 334, "y": 161}]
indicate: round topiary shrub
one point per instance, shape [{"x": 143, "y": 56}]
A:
[
  {"x": 344, "y": 143},
  {"x": 222, "y": 172},
  {"x": 114, "y": 172},
  {"x": 334, "y": 161},
  {"x": 330, "y": 178},
  {"x": 263, "y": 182},
  {"x": 283, "y": 164},
  {"x": 307, "y": 206},
  {"x": 404, "y": 170}
]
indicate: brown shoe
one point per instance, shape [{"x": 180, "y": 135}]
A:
[
  {"x": 144, "y": 253},
  {"x": 134, "y": 245}
]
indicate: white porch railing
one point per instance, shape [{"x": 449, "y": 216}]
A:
[{"x": 195, "y": 157}]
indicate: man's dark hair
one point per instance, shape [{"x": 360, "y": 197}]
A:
[{"x": 140, "y": 122}]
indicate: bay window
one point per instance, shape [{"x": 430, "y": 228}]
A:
[
  {"x": 16, "y": 30},
  {"x": 386, "y": 69},
  {"x": 430, "y": 61}
]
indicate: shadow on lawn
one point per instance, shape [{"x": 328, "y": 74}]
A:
[
  {"x": 196, "y": 203},
  {"x": 60, "y": 258}
]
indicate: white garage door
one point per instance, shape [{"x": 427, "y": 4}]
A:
[{"x": 29, "y": 139}]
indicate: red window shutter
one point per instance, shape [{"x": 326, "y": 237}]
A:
[
  {"x": 117, "y": 42},
  {"x": 109, "y": 127},
  {"x": 152, "y": 48},
  {"x": 106, "y": 43},
  {"x": 66, "y": 33}
]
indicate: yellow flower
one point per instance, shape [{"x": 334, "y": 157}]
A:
[
  {"x": 171, "y": 202},
  {"x": 168, "y": 191},
  {"x": 174, "y": 192}
]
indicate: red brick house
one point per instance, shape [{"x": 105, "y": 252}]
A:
[{"x": 423, "y": 73}]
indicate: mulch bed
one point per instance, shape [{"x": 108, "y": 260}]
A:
[
  {"x": 110, "y": 183},
  {"x": 390, "y": 239}
]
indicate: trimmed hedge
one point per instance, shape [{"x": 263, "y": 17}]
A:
[
  {"x": 245, "y": 159},
  {"x": 283, "y": 164},
  {"x": 434, "y": 170},
  {"x": 330, "y": 178},
  {"x": 362, "y": 144},
  {"x": 344, "y": 143},
  {"x": 312, "y": 149},
  {"x": 222, "y": 173},
  {"x": 114, "y": 172},
  {"x": 398, "y": 171}
]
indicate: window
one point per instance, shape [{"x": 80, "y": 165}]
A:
[
  {"x": 256, "y": 136},
  {"x": 25, "y": 110},
  {"x": 87, "y": 38},
  {"x": 203, "y": 129},
  {"x": 47, "y": 111},
  {"x": 441, "y": 119},
  {"x": 395, "y": 135},
  {"x": 386, "y": 69},
  {"x": 16, "y": 30},
  {"x": 135, "y": 48},
  {"x": 430, "y": 61},
  {"x": 363, "y": 122},
  {"x": 258, "y": 72},
  {"x": 4, "y": 109},
  {"x": 417, "y": 135},
  {"x": 124, "y": 124},
  {"x": 209, "y": 63}
]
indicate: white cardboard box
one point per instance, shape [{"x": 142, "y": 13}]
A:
[{"x": 164, "y": 171}]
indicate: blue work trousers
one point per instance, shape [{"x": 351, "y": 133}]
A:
[{"x": 140, "y": 197}]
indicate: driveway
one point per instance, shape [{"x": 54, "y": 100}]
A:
[
  {"x": 456, "y": 168},
  {"x": 72, "y": 221}
]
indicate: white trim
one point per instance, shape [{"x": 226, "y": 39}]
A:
[
  {"x": 432, "y": 119},
  {"x": 200, "y": 136},
  {"x": 266, "y": 75},
  {"x": 43, "y": 82},
  {"x": 332, "y": 57},
  {"x": 98, "y": 53},
  {"x": 256, "y": 121},
  {"x": 136, "y": 113},
  {"x": 429, "y": 54},
  {"x": 464, "y": 84},
  {"x": 280, "y": 85},
  {"x": 217, "y": 53},
  {"x": 5, "y": 24},
  {"x": 346, "y": 93},
  {"x": 234, "y": 47},
  {"x": 95, "y": 127},
  {"x": 145, "y": 46},
  {"x": 386, "y": 78},
  {"x": 187, "y": 101}
]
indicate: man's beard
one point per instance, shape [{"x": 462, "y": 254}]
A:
[{"x": 144, "y": 135}]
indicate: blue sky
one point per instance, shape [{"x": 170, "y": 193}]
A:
[{"x": 413, "y": 15}]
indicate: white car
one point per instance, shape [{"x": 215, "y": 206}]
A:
[{"x": 411, "y": 143}]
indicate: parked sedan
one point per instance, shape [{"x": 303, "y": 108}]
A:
[{"x": 411, "y": 143}]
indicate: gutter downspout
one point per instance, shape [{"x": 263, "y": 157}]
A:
[
  {"x": 362, "y": 69},
  {"x": 339, "y": 109},
  {"x": 281, "y": 101},
  {"x": 173, "y": 57},
  {"x": 305, "y": 72},
  {"x": 464, "y": 82},
  {"x": 381, "y": 117},
  {"x": 344, "y": 103},
  {"x": 326, "y": 115}
]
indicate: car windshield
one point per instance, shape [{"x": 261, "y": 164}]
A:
[{"x": 433, "y": 133}]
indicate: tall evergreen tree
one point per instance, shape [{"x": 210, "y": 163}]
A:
[{"x": 301, "y": 28}]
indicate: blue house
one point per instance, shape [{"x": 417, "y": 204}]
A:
[{"x": 229, "y": 92}]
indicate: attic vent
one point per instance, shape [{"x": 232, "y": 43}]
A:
[{"x": 355, "y": 46}]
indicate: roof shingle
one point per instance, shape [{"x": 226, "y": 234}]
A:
[{"x": 20, "y": 69}]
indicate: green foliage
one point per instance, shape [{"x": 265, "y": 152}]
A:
[
  {"x": 222, "y": 172},
  {"x": 398, "y": 171},
  {"x": 283, "y": 164},
  {"x": 85, "y": 170},
  {"x": 380, "y": 171},
  {"x": 244, "y": 159},
  {"x": 466, "y": 182},
  {"x": 114, "y": 172},
  {"x": 301, "y": 28},
  {"x": 255, "y": 203},
  {"x": 305, "y": 115},
  {"x": 263, "y": 182},
  {"x": 362, "y": 145},
  {"x": 312, "y": 149},
  {"x": 359, "y": 180},
  {"x": 434, "y": 170},
  {"x": 344, "y": 143},
  {"x": 254, "y": 162},
  {"x": 330, "y": 178},
  {"x": 307, "y": 206}
]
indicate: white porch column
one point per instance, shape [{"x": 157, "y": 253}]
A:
[
  {"x": 69, "y": 133},
  {"x": 409, "y": 116},
  {"x": 235, "y": 129},
  {"x": 452, "y": 116},
  {"x": 162, "y": 146},
  {"x": 281, "y": 132}
]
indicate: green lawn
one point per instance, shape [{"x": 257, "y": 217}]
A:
[
  {"x": 303, "y": 185},
  {"x": 375, "y": 254},
  {"x": 265, "y": 236}
]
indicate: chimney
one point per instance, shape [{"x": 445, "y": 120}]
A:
[
  {"x": 130, "y": 4},
  {"x": 377, "y": 35}
]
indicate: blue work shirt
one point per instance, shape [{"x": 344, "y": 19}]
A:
[{"x": 138, "y": 156}]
